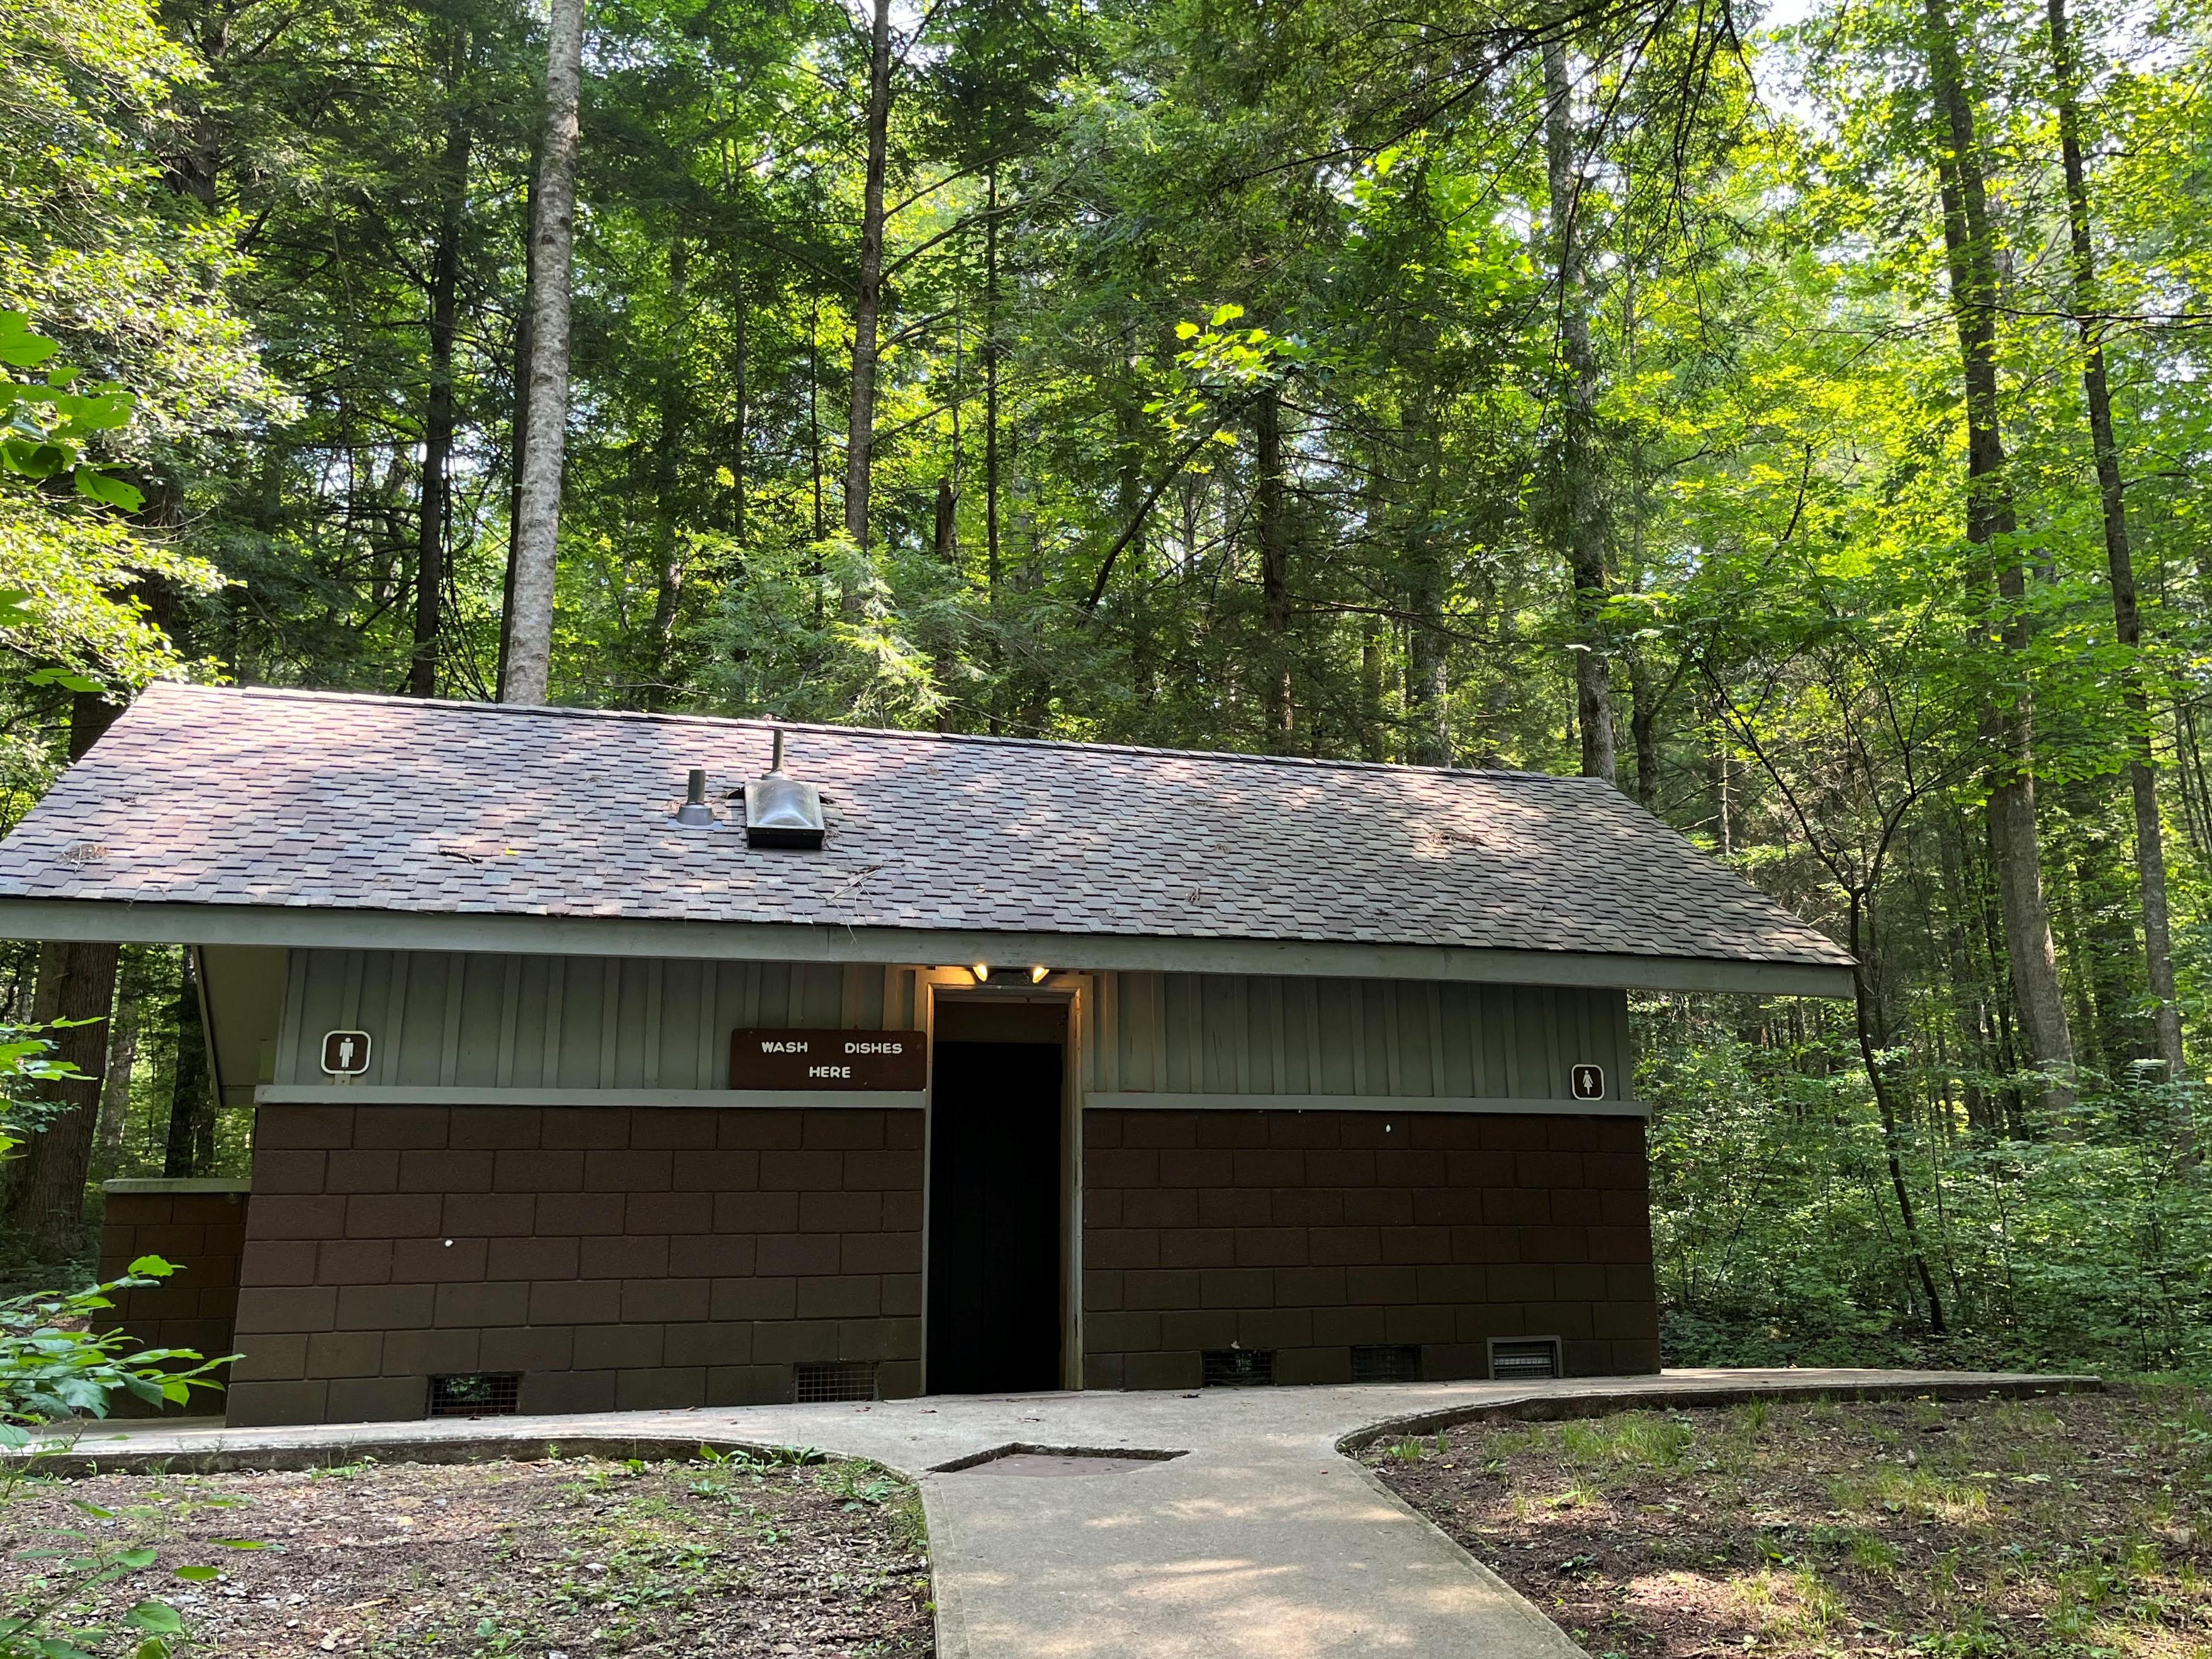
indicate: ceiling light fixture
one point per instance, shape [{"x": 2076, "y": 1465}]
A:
[
  {"x": 981, "y": 970},
  {"x": 1038, "y": 975}
]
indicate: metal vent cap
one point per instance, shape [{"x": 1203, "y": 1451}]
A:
[{"x": 781, "y": 810}]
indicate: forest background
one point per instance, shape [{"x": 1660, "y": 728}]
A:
[{"x": 1799, "y": 420}]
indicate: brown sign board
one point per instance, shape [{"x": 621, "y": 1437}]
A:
[
  {"x": 345, "y": 1053},
  {"x": 829, "y": 1060}
]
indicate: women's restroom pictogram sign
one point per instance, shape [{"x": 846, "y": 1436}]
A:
[{"x": 1586, "y": 1081}]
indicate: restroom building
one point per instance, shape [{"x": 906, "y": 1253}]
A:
[{"x": 607, "y": 1060}]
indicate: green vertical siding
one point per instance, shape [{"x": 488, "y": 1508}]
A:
[{"x": 454, "y": 1020}]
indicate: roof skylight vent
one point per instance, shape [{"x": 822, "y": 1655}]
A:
[{"x": 781, "y": 811}]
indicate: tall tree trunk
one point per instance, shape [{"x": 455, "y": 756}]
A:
[
  {"x": 1428, "y": 684},
  {"x": 2119, "y": 556},
  {"x": 867, "y": 301},
  {"x": 1717, "y": 780},
  {"x": 1274, "y": 567},
  {"x": 944, "y": 541},
  {"x": 668, "y": 456},
  {"x": 122, "y": 1061},
  {"x": 438, "y": 405},
  {"x": 1991, "y": 527},
  {"x": 2069, "y": 927},
  {"x": 519, "y": 440},
  {"x": 1370, "y": 691},
  {"x": 1131, "y": 511},
  {"x": 1643, "y": 728},
  {"x": 191, "y": 1139},
  {"x": 45, "y": 1207},
  {"x": 1873, "y": 1034},
  {"x": 529, "y": 622},
  {"x": 814, "y": 413},
  {"x": 1428, "y": 653},
  {"x": 1969, "y": 1007},
  {"x": 46, "y": 1185},
  {"x": 944, "y": 524},
  {"x": 742, "y": 306},
  {"x": 991, "y": 564},
  {"x": 195, "y": 164},
  {"x": 1579, "y": 503}
]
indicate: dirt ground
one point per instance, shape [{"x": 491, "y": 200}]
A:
[
  {"x": 577, "y": 1557},
  {"x": 2054, "y": 1528}
]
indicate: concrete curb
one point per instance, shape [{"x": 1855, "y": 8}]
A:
[
  {"x": 72, "y": 1463},
  {"x": 1545, "y": 1637},
  {"x": 501, "y": 1444},
  {"x": 947, "y": 1570},
  {"x": 1558, "y": 1408}
]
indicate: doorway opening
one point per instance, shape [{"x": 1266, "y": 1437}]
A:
[{"x": 996, "y": 1225}]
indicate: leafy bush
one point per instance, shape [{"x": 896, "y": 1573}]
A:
[
  {"x": 38, "y": 1624},
  {"x": 54, "y": 1365},
  {"x": 2083, "y": 1243}
]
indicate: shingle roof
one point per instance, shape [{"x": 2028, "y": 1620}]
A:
[{"x": 248, "y": 797}]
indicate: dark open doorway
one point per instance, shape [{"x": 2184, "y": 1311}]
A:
[{"x": 995, "y": 1228}]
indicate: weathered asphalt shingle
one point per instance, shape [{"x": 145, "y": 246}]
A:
[{"x": 303, "y": 799}]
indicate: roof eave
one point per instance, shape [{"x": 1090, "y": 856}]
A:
[{"x": 319, "y": 927}]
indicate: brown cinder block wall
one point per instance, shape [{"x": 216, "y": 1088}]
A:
[
  {"x": 1309, "y": 1232},
  {"x": 201, "y": 1234},
  {"x": 617, "y": 1258}
]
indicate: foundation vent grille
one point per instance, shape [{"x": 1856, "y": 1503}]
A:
[
  {"x": 1238, "y": 1368},
  {"x": 832, "y": 1384},
  {"x": 476, "y": 1394},
  {"x": 1518, "y": 1359},
  {"x": 1386, "y": 1362}
]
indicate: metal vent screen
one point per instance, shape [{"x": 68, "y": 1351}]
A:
[
  {"x": 476, "y": 1394},
  {"x": 1386, "y": 1362},
  {"x": 1522, "y": 1358},
  {"x": 832, "y": 1384},
  {"x": 1238, "y": 1368}
]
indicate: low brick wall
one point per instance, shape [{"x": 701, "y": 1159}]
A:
[
  {"x": 618, "y": 1258},
  {"x": 199, "y": 1226},
  {"x": 1310, "y": 1232},
  {"x": 630, "y": 1258}
]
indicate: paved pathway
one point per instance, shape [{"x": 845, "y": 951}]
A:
[{"x": 1261, "y": 1538}]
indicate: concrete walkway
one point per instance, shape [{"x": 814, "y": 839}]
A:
[{"x": 1261, "y": 1538}]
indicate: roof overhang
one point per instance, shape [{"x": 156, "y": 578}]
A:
[{"x": 301, "y": 926}]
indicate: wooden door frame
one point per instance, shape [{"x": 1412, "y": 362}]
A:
[{"x": 1072, "y": 992}]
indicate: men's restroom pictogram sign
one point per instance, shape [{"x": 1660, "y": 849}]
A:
[{"x": 345, "y": 1053}]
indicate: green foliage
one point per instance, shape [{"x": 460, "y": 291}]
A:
[
  {"x": 48, "y": 423},
  {"x": 26, "y": 1064},
  {"x": 67, "y": 566},
  {"x": 2089, "y": 1249},
  {"x": 54, "y": 1365},
  {"x": 52, "y": 1616}
]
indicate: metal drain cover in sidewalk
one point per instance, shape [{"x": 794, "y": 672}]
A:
[
  {"x": 1055, "y": 1462},
  {"x": 1046, "y": 1464}
]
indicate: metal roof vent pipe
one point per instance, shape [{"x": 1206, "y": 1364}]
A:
[
  {"x": 781, "y": 811},
  {"x": 695, "y": 813}
]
